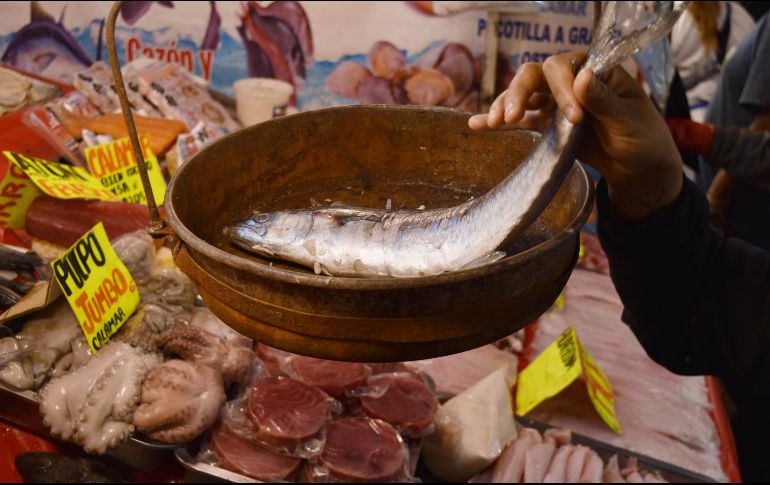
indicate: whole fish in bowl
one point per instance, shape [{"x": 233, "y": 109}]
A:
[{"x": 350, "y": 241}]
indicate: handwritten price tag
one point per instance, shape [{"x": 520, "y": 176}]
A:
[
  {"x": 114, "y": 164},
  {"x": 558, "y": 366},
  {"x": 59, "y": 180},
  {"x": 97, "y": 285}
]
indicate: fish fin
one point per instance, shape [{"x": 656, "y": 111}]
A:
[
  {"x": 44, "y": 60},
  {"x": 38, "y": 14},
  {"x": 485, "y": 259}
]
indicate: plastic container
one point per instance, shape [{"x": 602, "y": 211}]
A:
[{"x": 261, "y": 99}]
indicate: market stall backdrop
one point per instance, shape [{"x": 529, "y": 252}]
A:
[{"x": 300, "y": 42}]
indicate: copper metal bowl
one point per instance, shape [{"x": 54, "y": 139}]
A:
[{"x": 365, "y": 155}]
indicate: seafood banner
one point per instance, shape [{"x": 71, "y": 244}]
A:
[
  {"x": 97, "y": 286},
  {"x": 333, "y": 53}
]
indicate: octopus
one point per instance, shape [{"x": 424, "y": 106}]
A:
[
  {"x": 205, "y": 319},
  {"x": 137, "y": 251},
  {"x": 94, "y": 405},
  {"x": 230, "y": 358},
  {"x": 167, "y": 294},
  {"x": 42, "y": 342},
  {"x": 180, "y": 400}
]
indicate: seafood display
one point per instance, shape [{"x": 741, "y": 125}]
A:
[
  {"x": 663, "y": 415},
  {"x": 333, "y": 377},
  {"x": 176, "y": 377},
  {"x": 406, "y": 403},
  {"x": 243, "y": 456},
  {"x": 41, "y": 343},
  {"x": 180, "y": 400},
  {"x": 550, "y": 457},
  {"x": 63, "y": 222},
  {"x": 314, "y": 420},
  {"x": 361, "y": 450},
  {"x": 93, "y": 406},
  {"x": 200, "y": 346},
  {"x": 19, "y": 271}
]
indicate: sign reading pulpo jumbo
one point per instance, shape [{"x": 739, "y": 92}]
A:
[{"x": 97, "y": 285}]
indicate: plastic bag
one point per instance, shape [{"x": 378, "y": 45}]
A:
[
  {"x": 282, "y": 415},
  {"x": 361, "y": 450},
  {"x": 472, "y": 429}
]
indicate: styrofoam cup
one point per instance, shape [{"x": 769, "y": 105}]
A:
[{"x": 260, "y": 99}]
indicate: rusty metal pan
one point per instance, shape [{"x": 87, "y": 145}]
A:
[{"x": 363, "y": 156}]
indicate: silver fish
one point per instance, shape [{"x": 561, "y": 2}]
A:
[{"x": 342, "y": 241}]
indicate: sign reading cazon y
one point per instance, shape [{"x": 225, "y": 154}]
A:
[{"x": 97, "y": 285}]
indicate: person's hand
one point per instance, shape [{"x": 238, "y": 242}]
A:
[{"x": 627, "y": 140}]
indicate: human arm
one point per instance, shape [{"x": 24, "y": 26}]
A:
[{"x": 697, "y": 302}]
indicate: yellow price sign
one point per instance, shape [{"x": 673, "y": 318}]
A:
[
  {"x": 97, "y": 285},
  {"x": 59, "y": 180},
  {"x": 560, "y": 301},
  {"x": 114, "y": 164},
  {"x": 16, "y": 194},
  {"x": 558, "y": 366}
]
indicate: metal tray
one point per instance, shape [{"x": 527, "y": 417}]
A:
[
  {"x": 667, "y": 471},
  {"x": 22, "y": 409}
]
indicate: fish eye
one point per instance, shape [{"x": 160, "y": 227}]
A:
[{"x": 261, "y": 218}]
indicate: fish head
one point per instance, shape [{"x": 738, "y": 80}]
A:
[{"x": 271, "y": 234}]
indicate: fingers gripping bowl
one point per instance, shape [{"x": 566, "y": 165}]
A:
[{"x": 368, "y": 156}]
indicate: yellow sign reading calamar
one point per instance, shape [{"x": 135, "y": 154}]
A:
[
  {"x": 558, "y": 366},
  {"x": 97, "y": 285},
  {"x": 59, "y": 180},
  {"x": 114, "y": 164}
]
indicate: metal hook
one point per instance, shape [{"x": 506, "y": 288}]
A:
[{"x": 157, "y": 224}]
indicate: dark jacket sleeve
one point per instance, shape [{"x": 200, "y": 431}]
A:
[
  {"x": 696, "y": 301},
  {"x": 744, "y": 154}
]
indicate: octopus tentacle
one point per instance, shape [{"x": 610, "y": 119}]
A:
[
  {"x": 94, "y": 405},
  {"x": 180, "y": 400}
]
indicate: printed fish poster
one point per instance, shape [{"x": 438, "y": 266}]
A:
[{"x": 333, "y": 53}]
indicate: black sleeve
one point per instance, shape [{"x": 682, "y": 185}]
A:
[
  {"x": 744, "y": 154},
  {"x": 696, "y": 301}
]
